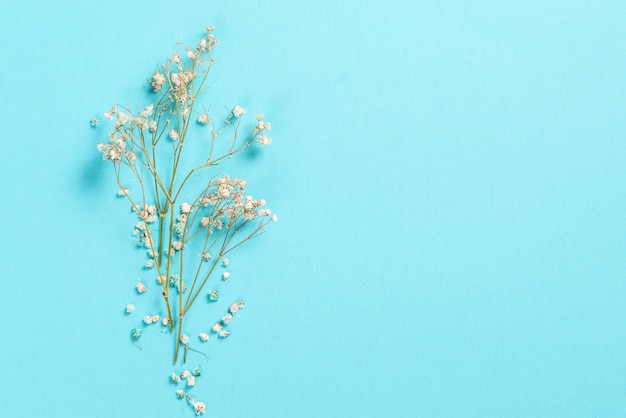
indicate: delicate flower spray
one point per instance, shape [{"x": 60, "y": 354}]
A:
[{"x": 187, "y": 239}]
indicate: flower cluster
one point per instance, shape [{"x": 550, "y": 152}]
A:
[
  {"x": 190, "y": 381},
  {"x": 220, "y": 327},
  {"x": 149, "y": 145}
]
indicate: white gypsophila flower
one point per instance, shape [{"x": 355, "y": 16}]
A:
[
  {"x": 191, "y": 55},
  {"x": 155, "y": 318},
  {"x": 226, "y": 262},
  {"x": 174, "y": 134},
  {"x": 152, "y": 125},
  {"x": 184, "y": 339},
  {"x": 204, "y": 337},
  {"x": 147, "y": 319},
  {"x": 203, "y": 119},
  {"x": 227, "y": 318},
  {"x": 175, "y": 378},
  {"x": 185, "y": 374},
  {"x": 141, "y": 288},
  {"x": 225, "y": 276},
  {"x": 274, "y": 218},
  {"x": 130, "y": 308},
  {"x": 122, "y": 118},
  {"x": 238, "y": 111},
  {"x": 224, "y": 333},
  {"x": 177, "y": 245},
  {"x": 176, "y": 59},
  {"x": 185, "y": 208},
  {"x": 191, "y": 381},
  {"x": 205, "y": 222},
  {"x": 233, "y": 308},
  {"x": 210, "y": 28},
  {"x": 165, "y": 321},
  {"x": 240, "y": 304},
  {"x": 264, "y": 141},
  {"x": 217, "y": 327},
  {"x": 180, "y": 394},
  {"x": 199, "y": 407},
  {"x": 149, "y": 264},
  {"x": 158, "y": 80},
  {"x": 147, "y": 111},
  {"x": 206, "y": 256},
  {"x": 122, "y": 192},
  {"x": 108, "y": 115}
]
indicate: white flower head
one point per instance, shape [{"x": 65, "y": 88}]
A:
[
  {"x": 225, "y": 276},
  {"x": 148, "y": 111},
  {"x": 204, "y": 337},
  {"x": 174, "y": 134},
  {"x": 224, "y": 333},
  {"x": 226, "y": 262},
  {"x": 184, "y": 339},
  {"x": 274, "y": 218},
  {"x": 238, "y": 112},
  {"x": 141, "y": 288},
  {"x": 233, "y": 308},
  {"x": 147, "y": 319},
  {"x": 185, "y": 374},
  {"x": 227, "y": 318},
  {"x": 264, "y": 141},
  {"x": 158, "y": 80},
  {"x": 217, "y": 327},
  {"x": 185, "y": 207},
  {"x": 203, "y": 119},
  {"x": 122, "y": 192},
  {"x": 130, "y": 308},
  {"x": 191, "y": 381},
  {"x": 199, "y": 407}
]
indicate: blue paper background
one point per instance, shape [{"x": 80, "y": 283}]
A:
[{"x": 449, "y": 178}]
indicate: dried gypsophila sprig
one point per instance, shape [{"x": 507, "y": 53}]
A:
[{"x": 221, "y": 212}]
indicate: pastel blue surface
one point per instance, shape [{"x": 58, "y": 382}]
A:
[{"x": 450, "y": 181}]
